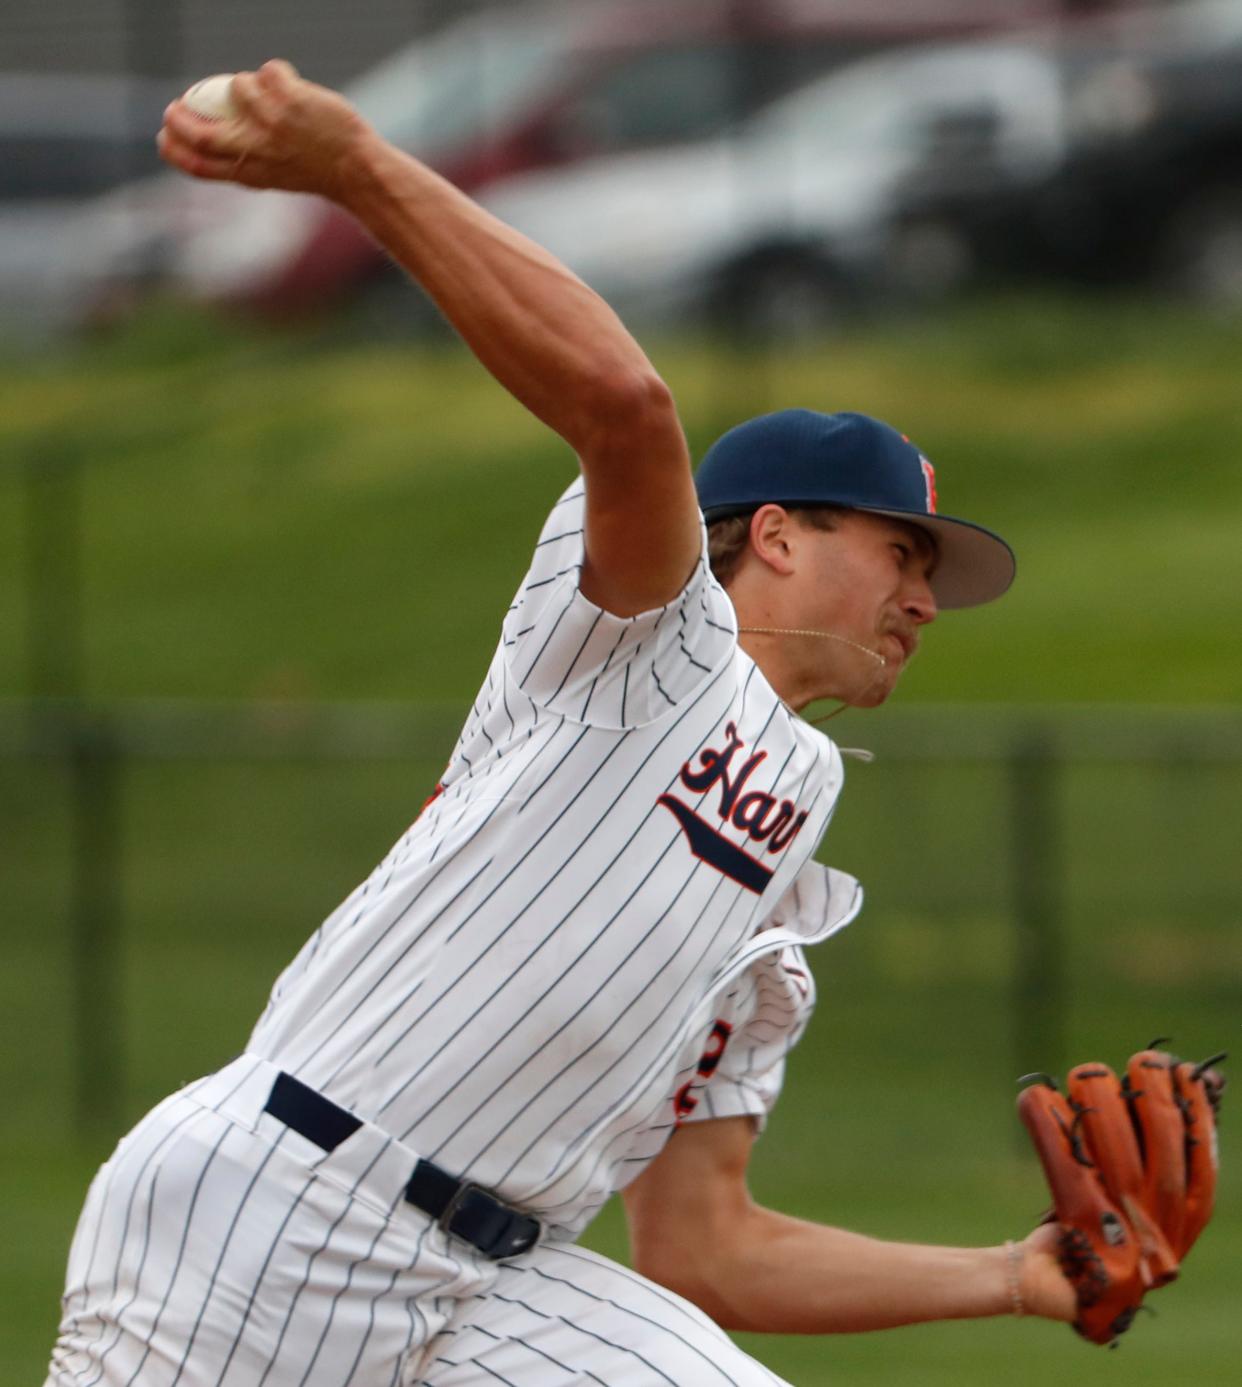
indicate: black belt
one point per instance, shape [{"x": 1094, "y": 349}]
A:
[{"x": 457, "y": 1206}]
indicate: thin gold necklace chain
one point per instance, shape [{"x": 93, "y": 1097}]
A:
[
  {"x": 822, "y": 635},
  {"x": 858, "y": 752}
]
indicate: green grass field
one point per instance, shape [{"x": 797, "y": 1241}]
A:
[{"x": 263, "y": 517}]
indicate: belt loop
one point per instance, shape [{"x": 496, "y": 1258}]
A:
[{"x": 309, "y": 1113}]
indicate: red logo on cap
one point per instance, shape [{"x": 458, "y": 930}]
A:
[{"x": 929, "y": 477}]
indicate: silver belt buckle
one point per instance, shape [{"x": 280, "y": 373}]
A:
[{"x": 458, "y": 1199}]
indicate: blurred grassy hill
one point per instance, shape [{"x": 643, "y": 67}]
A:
[
  {"x": 263, "y": 518},
  {"x": 281, "y": 517}
]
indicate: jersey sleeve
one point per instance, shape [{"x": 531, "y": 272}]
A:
[
  {"x": 769, "y": 1009},
  {"x": 573, "y": 658}
]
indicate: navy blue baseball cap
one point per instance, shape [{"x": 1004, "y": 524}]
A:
[{"x": 798, "y": 457}]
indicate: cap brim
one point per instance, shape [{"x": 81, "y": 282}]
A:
[{"x": 973, "y": 566}]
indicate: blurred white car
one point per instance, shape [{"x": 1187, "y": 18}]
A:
[
  {"x": 508, "y": 90},
  {"x": 64, "y": 137},
  {"x": 782, "y": 223}
]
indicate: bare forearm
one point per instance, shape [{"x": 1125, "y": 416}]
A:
[
  {"x": 537, "y": 328},
  {"x": 783, "y": 1275},
  {"x": 548, "y": 338},
  {"x": 695, "y": 1229},
  {"x": 540, "y": 331}
]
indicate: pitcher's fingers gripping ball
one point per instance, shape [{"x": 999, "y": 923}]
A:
[
  {"x": 266, "y": 129},
  {"x": 1132, "y": 1168}
]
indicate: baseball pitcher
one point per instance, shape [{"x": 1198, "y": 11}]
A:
[{"x": 582, "y": 967}]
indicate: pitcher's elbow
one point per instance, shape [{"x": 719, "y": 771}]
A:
[{"x": 627, "y": 411}]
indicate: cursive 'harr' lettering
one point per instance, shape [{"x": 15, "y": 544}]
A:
[{"x": 761, "y": 816}]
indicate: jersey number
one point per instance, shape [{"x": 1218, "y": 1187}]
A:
[{"x": 684, "y": 1101}]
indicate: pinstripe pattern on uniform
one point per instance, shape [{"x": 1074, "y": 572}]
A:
[
  {"x": 604, "y": 925},
  {"x": 265, "y": 1302},
  {"x": 92, "y": 1350},
  {"x": 566, "y": 1316},
  {"x": 522, "y": 989},
  {"x": 768, "y": 991},
  {"x": 515, "y": 987},
  {"x": 521, "y": 805},
  {"x": 86, "y": 1248},
  {"x": 542, "y": 1355},
  {"x": 213, "y": 1282},
  {"x": 578, "y": 1197},
  {"x": 767, "y": 1014},
  {"x": 632, "y": 952}
]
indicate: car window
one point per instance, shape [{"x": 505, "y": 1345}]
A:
[
  {"x": 1212, "y": 21},
  {"x": 848, "y": 110},
  {"x": 452, "y": 90},
  {"x": 69, "y": 136},
  {"x": 900, "y": 103},
  {"x": 659, "y": 96},
  {"x": 36, "y": 166},
  {"x": 682, "y": 93}
]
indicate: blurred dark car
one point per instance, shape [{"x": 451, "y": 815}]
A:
[
  {"x": 500, "y": 93},
  {"x": 64, "y": 137},
  {"x": 1149, "y": 189}
]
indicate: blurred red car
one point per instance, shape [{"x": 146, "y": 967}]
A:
[{"x": 505, "y": 91}]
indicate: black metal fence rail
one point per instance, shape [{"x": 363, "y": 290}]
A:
[
  {"x": 1030, "y": 746},
  {"x": 187, "y": 729}
]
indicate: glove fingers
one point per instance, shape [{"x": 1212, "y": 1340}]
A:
[
  {"x": 1095, "y": 1089},
  {"x": 1112, "y": 1143},
  {"x": 1195, "y": 1091},
  {"x": 1099, "y": 1254},
  {"x": 1162, "y": 1130}
]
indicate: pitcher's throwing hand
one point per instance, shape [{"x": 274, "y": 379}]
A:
[{"x": 286, "y": 133}]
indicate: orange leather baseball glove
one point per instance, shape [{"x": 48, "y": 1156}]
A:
[{"x": 1132, "y": 1169}]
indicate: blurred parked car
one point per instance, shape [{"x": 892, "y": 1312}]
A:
[
  {"x": 63, "y": 138},
  {"x": 497, "y": 93},
  {"x": 1150, "y": 185},
  {"x": 785, "y": 223}
]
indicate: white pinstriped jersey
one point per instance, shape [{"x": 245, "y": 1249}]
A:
[{"x": 593, "y": 932}]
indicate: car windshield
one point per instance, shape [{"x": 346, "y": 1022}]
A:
[
  {"x": 890, "y": 103},
  {"x": 1212, "y": 21},
  {"x": 858, "y": 108},
  {"x": 454, "y": 88}
]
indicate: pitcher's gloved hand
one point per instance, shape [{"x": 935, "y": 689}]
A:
[{"x": 1132, "y": 1169}]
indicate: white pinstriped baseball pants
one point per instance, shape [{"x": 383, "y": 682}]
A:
[{"x": 218, "y": 1248}]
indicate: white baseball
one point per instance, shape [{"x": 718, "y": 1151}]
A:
[{"x": 212, "y": 98}]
